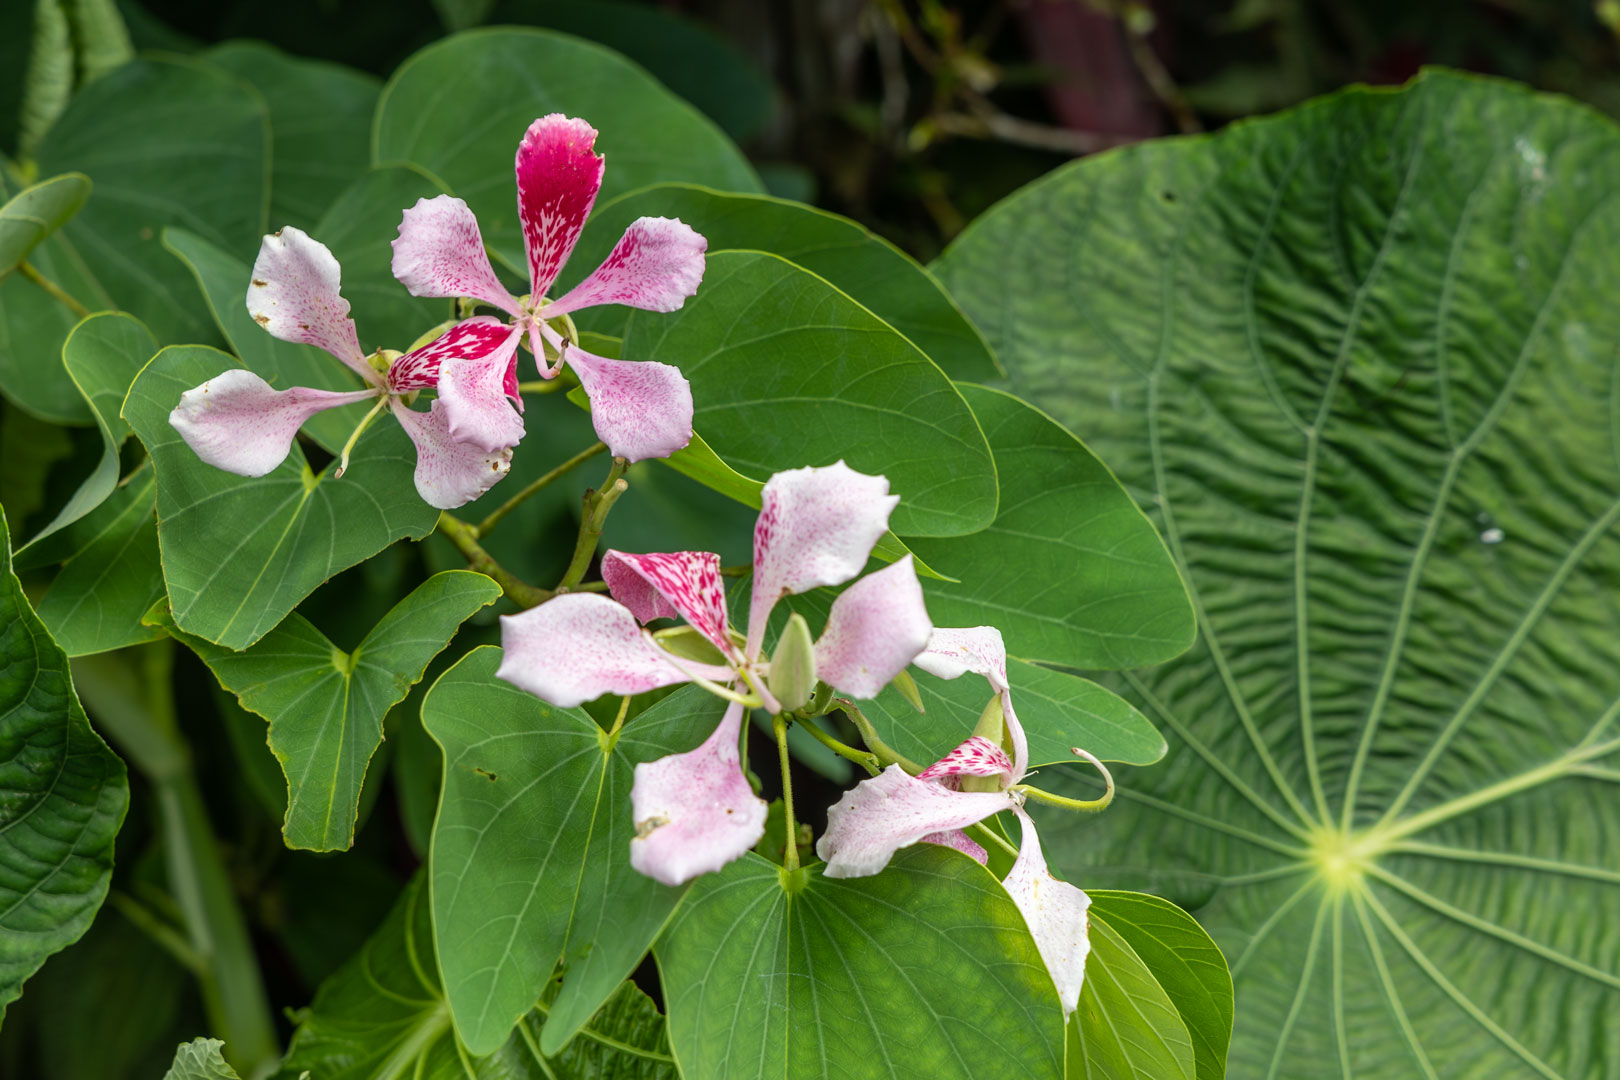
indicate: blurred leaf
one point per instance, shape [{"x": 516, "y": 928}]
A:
[
  {"x": 508, "y": 77},
  {"x": 200, "y": 1059},
  {"x": 1359, "y": 360},
  {"x": 100, "y": 39},
  {"x": 30, "y": 448},
  {"x": 1126, "y": 1027},
  {"x": 383, "y": 1015},
  {"x": 819, "y": 379},
  {"x": 924, "y": 970},
  {"x": 48, "y": 83},
  {"x": 866, "y": 267},
  {"x": 35, "y": 213},
  {"x": 531, "y": 848},
  {"x": 238, "y": 553},
  {"x": 320, "y": 121},
  {"x": 326, "y": 706},
  {"x": 62, "y": 795}
]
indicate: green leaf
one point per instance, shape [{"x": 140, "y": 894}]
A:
[
  {"x": 1184, "y": 961},
  {"x": 868, "y": 268},
  {"x": 200, "y": 1059},
  {"x": 62, "y": 795},
  {"x": 223, "y": 280},
  {"x": 460, "y": 106},
  {"x": 383, "y": 1016},
  {"x": 102, "y": 356},
  {"x": 1071, "y": 572},
  {"x": 1058, "y": 711},
  {"x": 1126, "y": 1027},
  {"x": 240, "y": 553},
  {"x": 1360, "y": 361},
  {"x": 925, "y": 970},
  {"x": 101, "y": 41},
  {"x": 816, "y": 379},
  {"x": 531, "y": 848},
  {"x": 48, "y": 83},
  {"x": 326, "y": 706},
  {"x": 320, "y": 120},
  {"x": 96, "y": 600},
  {"x": 37, "y": 212}
]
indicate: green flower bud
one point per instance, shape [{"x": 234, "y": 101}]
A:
[{"x": 793, "y": 665}]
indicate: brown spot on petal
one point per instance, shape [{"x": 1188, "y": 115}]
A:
[
  {"x": 645, "y": 828},
  {"x": 262, "y": 319},
  {"x": 260, "y": 284}
]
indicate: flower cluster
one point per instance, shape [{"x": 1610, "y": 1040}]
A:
[{"x": 238, "y": 422}]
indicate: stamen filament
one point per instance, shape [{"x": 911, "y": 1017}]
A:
[
  {"x": 354, "y": 436},
  {"x": 1081, "y": 805}
]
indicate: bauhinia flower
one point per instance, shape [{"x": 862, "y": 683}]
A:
[
  {"x": 974, "y": 781},
  {"x": 695, "y": 812},
  {"x": 640, "y": 410},
  {"x": 238, "y": 422}
]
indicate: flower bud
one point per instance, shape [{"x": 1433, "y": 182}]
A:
[{"x": 793, "y": 665}]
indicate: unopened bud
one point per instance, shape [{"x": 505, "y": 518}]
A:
[
  {"x": 793, "y": 665},
  {"x": 991, "y": 725},
  {"x": 907, "y": 686}
]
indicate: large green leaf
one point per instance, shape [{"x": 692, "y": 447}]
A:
[
  {"x": 459, "y": 107},
  {"x": 223, "y": 279},
  {"x": 62, "y": 795},
  {"x": 384, "y": 1016},
  {"x": 815, "y": 378},
  {"x": 1071, "y": 572},
  {"x": 923, "y": 971},
  {"x": 870, "y": 269},
  {"x": 240, "y": 553},
  {"x": 320, "y": 120},
  {"x": 1184, "y": 961},
  {"x": 326, "y": 706},
  {"x": 200, "y": 1059},
  {"x": 35, "y": 213},
  {"x": 1360, "y": 361},
  {"x": 531, "y": 848},
  {"x": 101, "y": 357},
  {"x": 1126, "y": 1027}
]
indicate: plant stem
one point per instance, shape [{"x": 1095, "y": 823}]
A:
[
  {"x": 494, "y": 519},
  {"x": 27, "y": 270},
  {"x": 790, "y": 853},
  {"x": 465, "y": 537},
  {"x": 158, "y": 929},
  {"x": 543, "y": 386},
  {"x": 874, "y": 743},
  {"x": 867, "y": 761},
  {"x": 594, "y": 516}
]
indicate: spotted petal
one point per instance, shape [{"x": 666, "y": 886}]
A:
[
  {"x": 474, "y": 366},
  {"x": 580, "y": 646},
  {"x": 892, "y": 810},
  {"x": 954, "y": 651},
  {"x": 695, "y": 812},
  {"x": 976, "y": 756},
  {"x": 664, "y": 585},
  {"x": 1055, "y": 912},
  {"x": 440, "y": 252},
  {"x": 655, "y": 266},
  {"x": 875, "y": 629},
  {"x": 294, "y": 294},
  {"x": 238, "y": 422},
  {"x": 816, "y": 527},
  {"x": 558, "y": 176},
  {"x": 448, "y": 473},
  {"x": 959, "y": 840},
  {"x": 640, "y": 409}
]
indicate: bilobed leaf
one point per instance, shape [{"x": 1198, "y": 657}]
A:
[
  {"x": 383, "y": 1016},
  {"x": 1071, "y": 572},
  {"x": 883, "y": 278},
  {"x": 200, "y": 1059},
  {"x": 326, "y": 706},
  {"x": 62, "y": 795},
  {"x": 787, "y": 371},
  {"x": 35, "y": 213},
  {"x": 102, "y": 356},
  {"x": 1126, "y": 1027},
  {"x": 924, "y": 971},
  {"x": 320, "y": 123},
  {"x": 1184, "y": 961},
  {"x": 240, "y": 553},
  {"x": 224, "y": 279},
  {"x": 531, "y": 848},
  {"x": 1359, "y": 361},
  {"x": 506, "y": 77}
]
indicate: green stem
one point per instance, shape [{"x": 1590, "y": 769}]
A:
[
  {"x": 874, "y": 743},
  {"x": 867, "y": 761},
  {"x": 137, "y": 711},
  {"x": 982, "y": 832},
  {"x": 465, "y": 537},
  {"x": 594, "y": 516},
  {"x": 1082, "y": 805},
  {"x": 27, "y": 270},
  {"x": 158, "y": 929},
  {"x": 494, "y": 519},
  {"x": 790, "y": 852},
  {"x": 544, "y": 386}
]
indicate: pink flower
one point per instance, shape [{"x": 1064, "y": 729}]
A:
[
  {"x": 238, "y": 422},
  {"x": 895, "y": 809},
  {"x": 641, "y": 410},
  {"x": 816, "y": 527}
]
